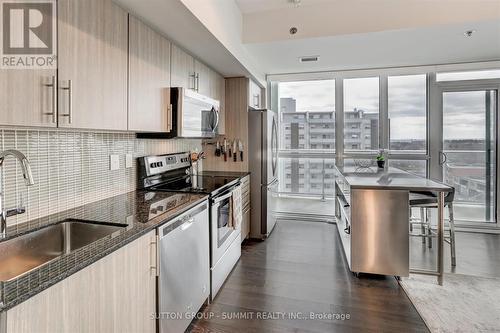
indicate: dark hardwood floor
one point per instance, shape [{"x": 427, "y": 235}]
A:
[{"x": 300, "y": 270}]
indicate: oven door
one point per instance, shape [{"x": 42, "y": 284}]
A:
[
  {"x": 222, "y": 233},
  {"x": 200, "y": 116}
]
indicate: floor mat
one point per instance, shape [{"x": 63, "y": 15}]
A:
[{"x": 463, "y": 304}]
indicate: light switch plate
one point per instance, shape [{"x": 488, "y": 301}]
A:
[
  {"x": 114, "y": 162},
  {"x": 128, "y": 161}
]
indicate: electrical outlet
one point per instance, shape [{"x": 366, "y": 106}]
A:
[
  {"x": 114, "y": 162},
  {"x": 128, "y": 161}
]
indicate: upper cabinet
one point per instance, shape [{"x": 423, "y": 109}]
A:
[
  {"x": 92, "y": 63},
  {"x": 113, "y": 73},
  {"x": 28, "y": 97},
  {"x": 254, "y": 95},
  {"x": 204, "y": 78},
  {"x": 149, "y": 79},
  {"x": 190, "y": 73},
  {"x": 182, "y": 67},
  {"x": 219, "y": 93}
]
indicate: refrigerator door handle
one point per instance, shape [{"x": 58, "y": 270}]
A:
[{"x": 274, "y": 147}]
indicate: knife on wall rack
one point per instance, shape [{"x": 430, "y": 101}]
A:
[
  {"x": 240, "y": 148},
  {"x": 235, "y": 159}
]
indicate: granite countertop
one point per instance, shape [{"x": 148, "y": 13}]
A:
[
  {"x": 131, "y": 209},
  {"x": 388, "y": 179},
  {"x": 239, "y": 174}
]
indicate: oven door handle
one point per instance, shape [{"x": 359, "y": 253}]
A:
[{"x": 222, "y": 197}]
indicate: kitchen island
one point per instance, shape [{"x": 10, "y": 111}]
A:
[{"x": 372, "y": 211}]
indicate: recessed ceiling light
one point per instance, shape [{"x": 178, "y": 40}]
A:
[
  {"x": 309, "y": 59},
  {"x": 469, "y": 33}
]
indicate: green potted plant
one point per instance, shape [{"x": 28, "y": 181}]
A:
[{"x": 381, "y": 159}]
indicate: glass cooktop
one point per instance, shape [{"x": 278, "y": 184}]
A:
[{"x": 196, "y": 184}]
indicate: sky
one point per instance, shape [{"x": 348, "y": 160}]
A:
[{"x": 464, "y": 114}]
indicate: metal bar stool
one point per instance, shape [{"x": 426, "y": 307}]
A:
[{"x": 424, "y": 201}]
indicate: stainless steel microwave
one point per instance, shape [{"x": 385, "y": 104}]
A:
[{"x": 192, "y": 115}]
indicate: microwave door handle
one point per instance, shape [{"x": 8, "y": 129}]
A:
[
  {"x": 216, "y": 119},
  {"x": 214, "y": 123}
]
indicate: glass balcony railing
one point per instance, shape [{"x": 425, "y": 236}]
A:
[{"x": 306, "y": 176}]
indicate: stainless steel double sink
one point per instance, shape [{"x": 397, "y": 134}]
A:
[{"x": 24, "y": 253}]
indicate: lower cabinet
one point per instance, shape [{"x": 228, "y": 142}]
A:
[
  {"x": 245, "y": 194},
  {"x": 115, "y": 294},
  {"x": 245, "y": 224}
]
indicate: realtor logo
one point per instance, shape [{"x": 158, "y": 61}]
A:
[{"x": 28, "y": 34}]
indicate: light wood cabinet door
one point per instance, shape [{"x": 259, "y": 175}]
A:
[
  {"x": 182, "y": 69},
  {"x": 149, "y": 79},
  {"x": 245, "y": 225},
  {"x": 213, "y": 84},
  {"x": 28, "y": 97},
  {"x": 92, "y": 59},
  {"x": 115, "y": 294},
  {"x": 254, "y": 95},
  {"x": 220, "y": 95},
  {"x": 203, "y": 78}
]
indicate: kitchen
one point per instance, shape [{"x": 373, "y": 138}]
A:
[{"x": 146, "y": 159}]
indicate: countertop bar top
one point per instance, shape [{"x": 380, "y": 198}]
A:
[
  {"x": 224, "y": 173},
  {"x": 388, "y": 179},
  {"x": 132, "y": 209}
]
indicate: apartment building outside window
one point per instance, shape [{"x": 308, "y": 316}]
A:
[
  {"x": 361, "y": 114},
  {"x": 307, "y": 126},
  {"x": 438, "y": 124}
]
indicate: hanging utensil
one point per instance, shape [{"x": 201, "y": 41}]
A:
[
  {"x": 224, "y": 150},
  {"x": 217, "y": 149},
  {"x": 240, "y": 148},
  {"x": 235, "y": 155}
]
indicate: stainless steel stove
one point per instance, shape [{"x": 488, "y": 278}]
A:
[{"x": 172, "y": 173}]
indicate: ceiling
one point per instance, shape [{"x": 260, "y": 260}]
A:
[
  {"x": 251, "y": 37},
  {"x": 358, "y": 34},
  {"x": 253, "y": 6},
  {"x": 178, "y": 24},
  {"x": 409, "y": 47}
]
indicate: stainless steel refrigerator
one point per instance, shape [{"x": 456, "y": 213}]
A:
[{"x": 263, "y": 162}]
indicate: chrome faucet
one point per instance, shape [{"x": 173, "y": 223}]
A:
[{"x": 28, "y": 179}]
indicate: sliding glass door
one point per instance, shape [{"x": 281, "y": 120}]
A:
[{"x": 468, "y": 150}]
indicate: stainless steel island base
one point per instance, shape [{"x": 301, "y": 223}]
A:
[
  {"x": 372, "y": 211},
  {"x": 379, "y": 241}
]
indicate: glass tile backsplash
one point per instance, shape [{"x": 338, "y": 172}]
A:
[{"x": 71, "y": 168}]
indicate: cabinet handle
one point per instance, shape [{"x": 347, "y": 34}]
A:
[
  {"x": 52, "y": 85},
  {"x": 197, "y": 82},
  {"x": 256, "y": 100},
  {"x": 153, "y": 258},
  {"x": 192, "y": 76},
  {"x": 169, "y": 118},
  {"x": 70, "y": 102}
]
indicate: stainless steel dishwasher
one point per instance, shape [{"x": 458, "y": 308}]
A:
[{"x": 184, "y": 274}]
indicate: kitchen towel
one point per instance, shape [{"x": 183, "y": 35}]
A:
[{"x": 236, "y": 209}]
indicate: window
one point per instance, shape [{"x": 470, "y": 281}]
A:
[
  {"x": 470, "y": 75},
  {"x": 307, "y": 111},
  {"x": 361, "y": 110},
  {"x": 417, "y": 167},
  {"x": 407, "y": 103}
]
